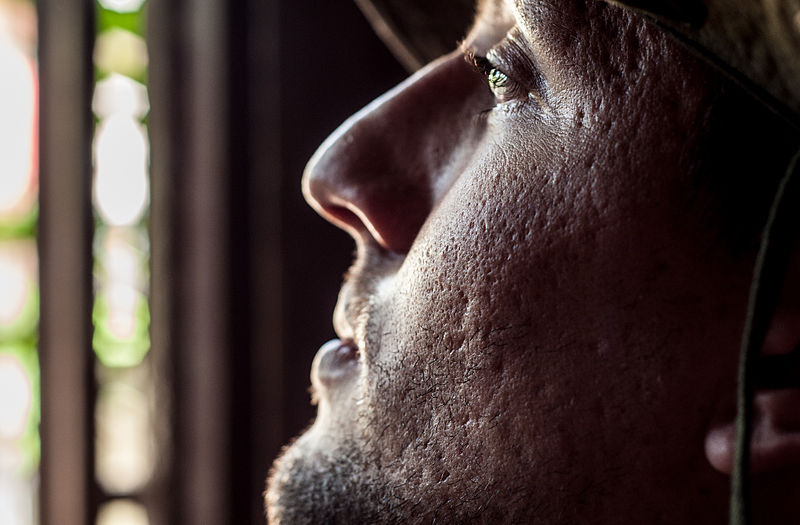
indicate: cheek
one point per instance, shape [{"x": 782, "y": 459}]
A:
[
  {"x": 501, "y": 247},
  {"x": 535, "y": 289},
  {"x": 476, "y": 297}
]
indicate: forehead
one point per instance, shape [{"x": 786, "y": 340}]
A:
[
  {"x": 517, "y": 10},
  {"x": 535, "y": 19},
  {"x": 494, "y": 18}
]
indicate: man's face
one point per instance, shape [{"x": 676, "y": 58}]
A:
[{"x": 539, "y": 323}]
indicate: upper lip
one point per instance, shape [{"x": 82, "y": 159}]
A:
[
  {"x": 343, "y": 325},
  {"x": 356, "y": 298}
]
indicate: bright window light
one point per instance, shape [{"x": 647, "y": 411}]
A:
[
  {"x": 125, "y": 449},
  {"x": 18, "y": 304},
  {"x": 122, "y": 6},
  {"x": 15, "y": 398},
  {"x": 121, "y": 189},
  {"x": 120, "y": 95},
  {"x": 17, "y": 120},
  {"x": 122, "y": 512},
  {"x": 120, "y": 51}
]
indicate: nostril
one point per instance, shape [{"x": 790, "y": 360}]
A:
[
  {"x": 388, "y": 212},
  {"x": 345, "y": 219},
  {"x": 342, "y": 214},
  {"x": 323, "y": 198},
  {"x": 393, "y": 227}
]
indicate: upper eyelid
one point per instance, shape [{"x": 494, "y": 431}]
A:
[
  {"x": 497, "y": 55},
  {"x": 480, "y": 63},
  {"x": 511, "y": 91},
  {"x": 484, "y": 64},
  {"x": 510, "y": 55}
]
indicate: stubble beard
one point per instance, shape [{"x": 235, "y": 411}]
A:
[
  {"x": 394, "y": 467},
  {"x": 317, "y": 487},
  {"x": 395, "y": 462}
]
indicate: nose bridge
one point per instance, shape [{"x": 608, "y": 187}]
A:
[{"x": 377, "y": 174}]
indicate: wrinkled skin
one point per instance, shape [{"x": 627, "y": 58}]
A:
[{"x": 545, "y": 318}]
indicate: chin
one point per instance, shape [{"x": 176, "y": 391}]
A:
[{"x": 312, "y": 482}]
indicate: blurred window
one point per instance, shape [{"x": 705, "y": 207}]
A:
[
  {"x": 19, "y": 293},
  {"x": 124, "y": 447},
  {"x": 124, "y": 413}
]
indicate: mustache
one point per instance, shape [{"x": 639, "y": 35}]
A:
[{"x": 357, "y": 298}]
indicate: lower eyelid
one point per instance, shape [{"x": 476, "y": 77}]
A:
[{"x": 513, "y": 92}]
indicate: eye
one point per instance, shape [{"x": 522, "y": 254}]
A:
[{"x": 504, "y": 88}]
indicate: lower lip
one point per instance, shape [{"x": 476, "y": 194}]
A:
[{"x": 336, "y": 361}]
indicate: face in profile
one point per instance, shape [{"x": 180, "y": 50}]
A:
[{"x": 542, "y": 320}]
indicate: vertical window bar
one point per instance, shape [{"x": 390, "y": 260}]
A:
[
  {"x": 66, "y": 29},
  {"x": 203, "y": 327},
  {"x": 189, "y": 229},
  {"x": 164, "y": 71},
  {"x": 257, "y": 133}
]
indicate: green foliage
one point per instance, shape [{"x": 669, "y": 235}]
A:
[
  {"x": 134, "y": 22},
  {"x": 20, "y": 227},
  {"x": 111, "y": 22}
]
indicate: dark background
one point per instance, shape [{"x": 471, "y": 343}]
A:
[
  {"x": 332, "y": 64},
  {"x": 288, "y": 92}
]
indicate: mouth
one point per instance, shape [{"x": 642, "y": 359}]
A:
[
  {"x": 343, "y": 321},
  {"x": 336, "y": 361}
]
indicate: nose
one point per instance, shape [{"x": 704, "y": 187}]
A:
[{"x": 379, "y": 175}]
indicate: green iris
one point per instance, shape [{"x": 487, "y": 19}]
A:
[{"x": 497, "y": 79}]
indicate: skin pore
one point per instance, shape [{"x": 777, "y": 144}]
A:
[{"x": 541, "y": 321}]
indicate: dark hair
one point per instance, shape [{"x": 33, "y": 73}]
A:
[{"x": 744, "y": 151}]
